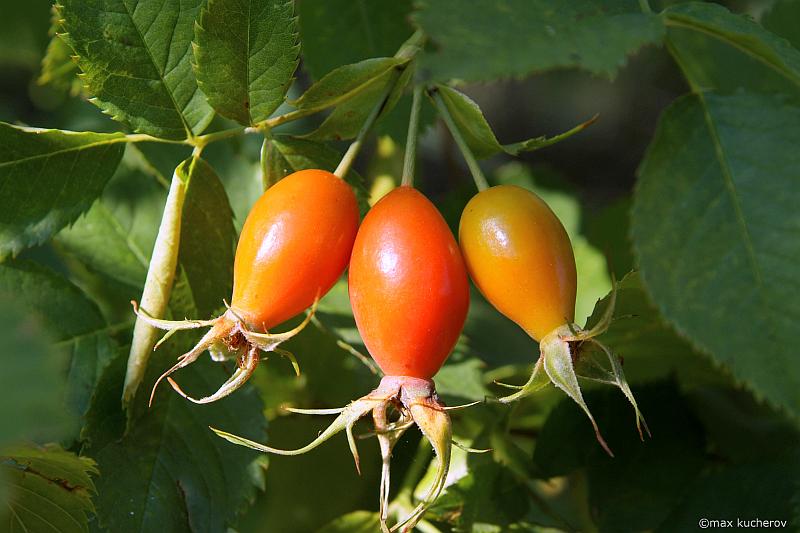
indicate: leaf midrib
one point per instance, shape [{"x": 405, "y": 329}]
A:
[
  {"x": 78, "y": 148},
  {"x": 681, "y": 22},
  {"x": 187, "y": 129}
]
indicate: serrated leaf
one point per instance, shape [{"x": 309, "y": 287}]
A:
[
  {"x": 73, "y": 322},
  {"x": 713, "y": 222},
  {"x": 289, "y": 154},
  {"x": 649, "y": 348},
  {"x": 169, "y": 472},
  {"x": 135, "y": 59},
  {"x": 32, "y": 377},
  {"x": 339, "y": 32},
  {"x": 58, "y": 68},
  {"x": 480, "y": 40},
  {"x": 355, "y": 522},
  {"x": 718, "y": 50},
  {"x": 49, "y": 178},
  {"x": 246, "y": 53},
  {"x": 50, "y": 489},
  {"x": 479, "y": 135}
]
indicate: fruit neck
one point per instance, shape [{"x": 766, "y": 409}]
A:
[{"x": 407, "y": 386}]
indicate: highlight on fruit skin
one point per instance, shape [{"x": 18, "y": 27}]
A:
[
  {"x": 519, "y": 256},
  {"x": 294, "y": 245},
  {"x": 410, "y": 295}
]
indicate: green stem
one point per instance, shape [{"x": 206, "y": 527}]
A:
[
  {"x": 265, "y": 181},
  {"x": 469, "y": 157},
  {"x": 645, "y": 6},
  {"x": 143, "y": 137},
  {"x": 411, "y": 140},
  {"x": 352, "y": 151}
]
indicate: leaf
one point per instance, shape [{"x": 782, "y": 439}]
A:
[
  {"x": 713, "y": 221},
  {"x": 781, "y": 18},
  {"x": 246, "y": 53},
  {"x": 289, "y": 154},
  {"x": 58, "y": 68},
  {"x": 339, "y": 32},
  {"x": 345, "y": 82},
  {"x": 718, "y": 50},
  {"x": 50, "y": 489},
  {"x": 73, "y": 322},
  {"x": 355, "y": 522},
  {"x": 645, "y": 480},
  {"x": 489, "y": 498},
  {"x": 49, "y": 177},
  {"x": 743, "y": 492},
  {"x": 135, "y": 59},
  {"x": 169, "y": 472},
  {"x": 208, "y": 239},
  {"x": 481, "y": 40},
  {"x": 115, "y": 237},
  {"x": 32, "y": 377},
  {"x": 479, "y": 135},
  {"x": 649, "y": 348}
]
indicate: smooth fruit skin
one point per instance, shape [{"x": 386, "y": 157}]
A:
[
  {"x": 408, "y": 285},
  {"x": 520, "y": 258},
  {"x": 294, "y": 245}
]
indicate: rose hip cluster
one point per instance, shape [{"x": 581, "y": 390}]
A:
[{"x": 409, "y": 290}]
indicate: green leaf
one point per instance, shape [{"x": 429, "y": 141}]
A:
[
  {"x": 483, "y": 40},
  {"x": 645, "y": 480},
  {"x": 168, "y": 471},
  {"x": 50, "y": 489},
  {"x": 73, "y": 322},
  {"x": 58, "y": 68},
  {"x": 648, "y": 346},
  {"x": 479, "y": 135},
  {"x": 136, "y": 60},
  {"x": 742, "y": 492},
  {"x": 781, "y": 20},
  {"x": 49, "y": 177},
  {"x": 713, "y": 222},
  {"x": 246, "y": 53},
  {"x": 355, "y": 522},
  {"x": 338, "y": 32},
  {"x": 115, "y": 237},
  {"x": 345, "y": 83},
  {"x": 32, "y": 377},
  {"x": 489, "y": 498},
  {"x": 290, "y": 154},
  {"x": 718, "y": 50},
  {"x": 208, "y": 239}
]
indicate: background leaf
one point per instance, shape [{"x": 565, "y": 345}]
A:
[
  {"x": 51, "y": 489},
  {"x": 136, "y": 60},
  {"x": 482, "y": 40},
  {"x": 718, "y": 50},
  {"x": 73, "y": 322},
  {"x": 246, "y": 53},
  {"x": 724, "y": 278},
  {"x": 338, "y": 32},
  {"x": 32, "y": 375},
  {"x": 50, "y": 177}
]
